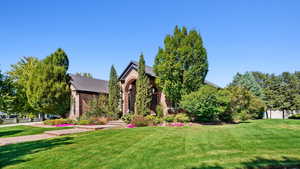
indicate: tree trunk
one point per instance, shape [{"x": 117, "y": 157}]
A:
[
  {"x": 267, "y": 114},
  {"x": 282, "y": 114}
]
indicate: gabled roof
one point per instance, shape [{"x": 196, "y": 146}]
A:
[
  {"x": 134, "y": 65},
  {"x": 81, "y": 83},
  {"x": 149, "y": 71}
]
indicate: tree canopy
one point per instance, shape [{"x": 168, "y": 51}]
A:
[
  {"x": 181, "y": 66},
  {"x": 48, "y": 84},
  {"x": 249, "y": 82}
]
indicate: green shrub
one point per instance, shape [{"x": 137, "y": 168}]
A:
[
  {"x": 169, "y": 118},
  {"x": 181, "y": 117},
  {"x": 127, "y": 118},
  {"x": 159, "y": 111},
  {"x": 158, "y": 120},
  {"x": 155, "y": 120},
  {"x": 1, "y": 121},
  {"x": 206, "y": 104},
  {"x": 84, "y": 122},
  {"x": 150, "y": 117},
  {"x": 98, "y": 120},
  {"x": 244, "y": 105},
  {"x": 58, "y": 121},
  {"x": 295, "y": 116},
  {"x": 139, "y": 121}
]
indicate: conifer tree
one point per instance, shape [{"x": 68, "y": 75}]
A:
[
  {"x": 114, "y": 92},
  {"x": 143, "y": 95},
  {"x": 181, "y": 66},
  {"x": 249, "y": 82}
]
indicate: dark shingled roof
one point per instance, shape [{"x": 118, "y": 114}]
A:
[
  {"x": 149, "y": 71},
  {"x": 81, "y": 83}
]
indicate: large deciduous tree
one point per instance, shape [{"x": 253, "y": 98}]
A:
[
  {"x": 143, "y": 95},
  {"x": 181, "y": 66},
  {"x": 19, "y": 74},
  {"x": 114, "y": 92},
  {"x": 48, "y": 85}
]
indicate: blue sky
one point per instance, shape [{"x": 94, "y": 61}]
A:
[{"x": 240, "y": 35}]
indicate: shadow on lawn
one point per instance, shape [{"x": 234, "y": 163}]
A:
[
  {"x": 260, "y": 163},
  {"x": 8, "y": 133},
  {"x": 12, "y": 154}
]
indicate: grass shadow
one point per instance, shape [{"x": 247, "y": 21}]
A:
[
  {"x": 259, "y": 163},
  {"x": 264, "y": 163},
  {"x": 8, "y": 133},
  {"x": 13, "y": 153}
]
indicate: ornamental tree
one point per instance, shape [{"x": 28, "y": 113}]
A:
[
  {"x": 143, "y": 95},
  {"x": 114, "y": 92},
  {"x": 181, "y": 66}
]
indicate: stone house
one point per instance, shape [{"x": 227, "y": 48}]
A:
[{"x": 83, "y": 89}]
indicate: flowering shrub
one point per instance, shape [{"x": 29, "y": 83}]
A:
[
  {"x": 177, "y": 124},
  {"x": 64, "y": 125},
  {"x": 131, "y": 126}
]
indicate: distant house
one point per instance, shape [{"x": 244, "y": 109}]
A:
[
  {"x": 83, "y": 89},
  {"x": 277, "y": 114}
]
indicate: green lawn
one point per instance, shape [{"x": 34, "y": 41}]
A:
[
  {"x": 253, "y": 144},
  {"x": 24, "y": 130}
]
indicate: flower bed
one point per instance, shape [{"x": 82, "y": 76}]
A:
[{"x": 64, "y": 125}]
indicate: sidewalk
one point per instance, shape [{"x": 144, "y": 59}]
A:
[
  {"x": 20, "y": 124},
  {"x": 57, "y": 133}
]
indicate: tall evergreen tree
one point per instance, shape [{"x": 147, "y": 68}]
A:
[
  {"x": 249, "y": 82},
  {"x": 114, "y": 91},
  {"x": 143, "y": 95},
  {"x": 48, "y": 85},
  {"x": 181, "y": 66}
]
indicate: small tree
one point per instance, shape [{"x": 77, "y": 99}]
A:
[
  {"x": 208, "y": 104},
  {"x": 114, "y": 92},
  {"x": 143, "y": 95}
]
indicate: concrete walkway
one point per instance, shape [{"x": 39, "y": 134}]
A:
[
  {"x": 21, "y": 124},
  {"x": 56, "y": 133},
  {"x": 20, "y": 139}
]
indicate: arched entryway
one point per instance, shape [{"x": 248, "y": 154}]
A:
[
  {"x": 129, "y": 96},
  {"x": 129, "y": 93}
]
